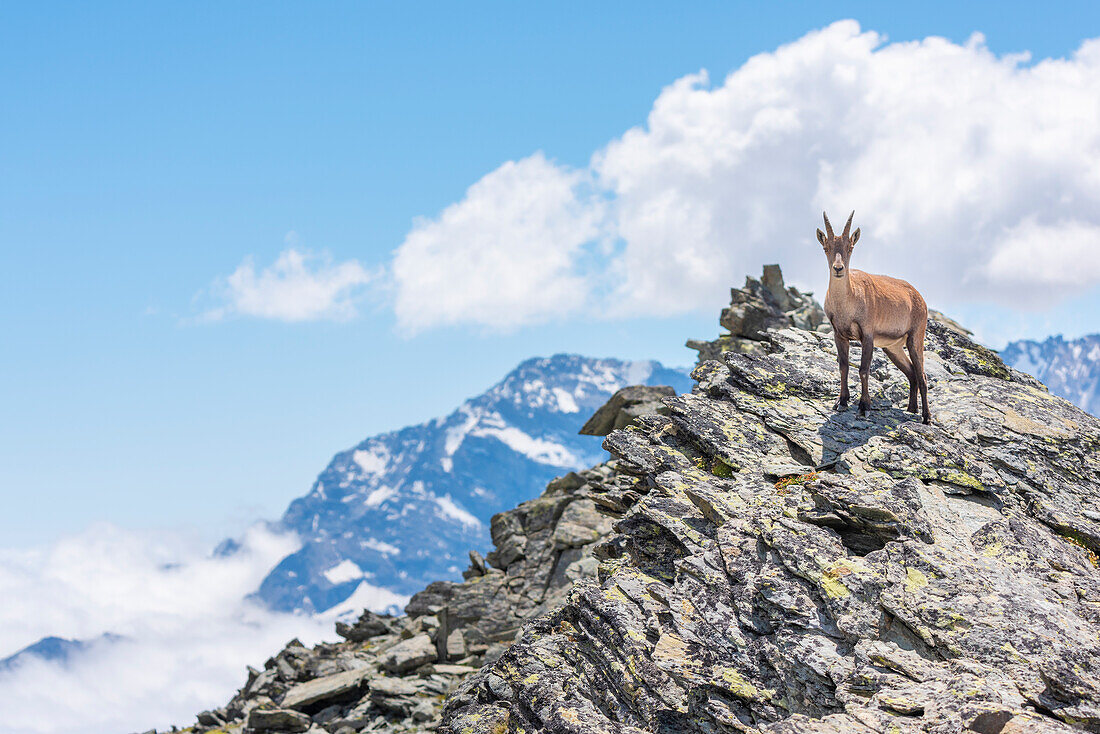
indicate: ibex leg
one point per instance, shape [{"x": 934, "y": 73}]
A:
[
  {"x": 901, "y": 361},
  {"x": 867, "y": 345},
  {"x": 915, "y": 345},
  {"x": 842, "y": 360}
]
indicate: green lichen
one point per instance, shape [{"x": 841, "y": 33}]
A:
[
  {"x": 834, "y": 588},
  {"x": 738, "y": 686},
  {"x": 720, "y": 468},
  {"x": 915, "y": 579}
]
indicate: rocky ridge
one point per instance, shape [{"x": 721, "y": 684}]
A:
[
  {"x": 778, "y": 567},
  {"x": 750, "y": 560}
]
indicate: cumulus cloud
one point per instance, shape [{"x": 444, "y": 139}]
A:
[
  {"x": 298, "y": 286},
  {"x": 975, "y": 176},
  {"x": 187, "y": 632},
  {"x": 510, "y": 253}
]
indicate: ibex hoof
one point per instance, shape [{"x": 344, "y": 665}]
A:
[
  {"x": 927, "y": 420},
  {"x": 840, "y": 405},
  {"x": 864, "y": 407}
]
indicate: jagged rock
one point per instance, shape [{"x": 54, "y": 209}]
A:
[
  {"x": 210, "y": 718},
  {"x": 306, "y": 696},
  {"x": 626, "y": 405},
  {"x": 367, "y": 626},
  {"x": 274, "y": 720},
  {"x": 759, "y": 307},
  {"x": 455, "y": 646},
  {"x": 394, "y": 694},
  {"x": 409, "y": 654}
]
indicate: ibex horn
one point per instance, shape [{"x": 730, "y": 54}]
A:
[
  {"x": 828, "y": 227},
  {"x": 848, "y": 226}
]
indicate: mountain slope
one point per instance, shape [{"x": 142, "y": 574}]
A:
[
  {"x": 403, "y": 509},
  {"x": 1071, "y": 369}
]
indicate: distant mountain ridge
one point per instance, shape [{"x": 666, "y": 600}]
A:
[
  {"x": 53, "y": 649},
  {"x": 404, "y": 508},
  {"x": 1070, "y": 368}
]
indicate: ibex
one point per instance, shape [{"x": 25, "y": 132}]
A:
[{"x": 876, "y": 311}]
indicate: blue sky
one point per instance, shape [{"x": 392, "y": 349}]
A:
[{"x": 148, "y": 149}]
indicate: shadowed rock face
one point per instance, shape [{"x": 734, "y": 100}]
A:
[
  {"x": 923, "y": 578},
  {"x": 752, "y": 561}
]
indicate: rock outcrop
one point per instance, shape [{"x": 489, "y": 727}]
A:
[
  {"x": 778, "y": 567},
  {"x": 759, "y": 307},
  {"x": 750, "y": 560}
]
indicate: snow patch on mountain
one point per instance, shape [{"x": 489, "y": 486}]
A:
[
  {"x": 374, "y": 461},
  {"x": 343, "y": 571},
  {"x": 452, "y": 511},
  {"x": 544, "y": 452}
]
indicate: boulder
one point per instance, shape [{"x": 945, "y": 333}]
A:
[
  {"x": 626, "y": 405},
  {"x": 324, "y": 691},
  {"x": 276, "y": 720},
  {"x": 367, "y": 626},
  {"x": 409, "y": 654}
]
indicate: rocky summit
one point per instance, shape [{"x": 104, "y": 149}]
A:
[{"x": 750, "y": 560}]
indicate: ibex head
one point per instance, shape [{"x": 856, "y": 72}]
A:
[{"x": 838, "y": 250}]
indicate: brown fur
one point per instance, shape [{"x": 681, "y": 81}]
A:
[{"x": 876, "y": 311}]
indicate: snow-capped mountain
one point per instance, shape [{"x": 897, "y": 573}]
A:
[
  {"x": 404, "y": 508},
  {"x": 1071, "y": 369}
]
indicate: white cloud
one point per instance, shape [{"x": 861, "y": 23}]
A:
[
  {"x": 188, "y": 632},
  {"x": 510, "y": 253},
  {"x": 298, "y": 286},
  {"x": 975, "y": 176}
]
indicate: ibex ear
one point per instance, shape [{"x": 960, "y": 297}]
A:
[
  {"x": 855, "y": 237},
  {"x": 821, "y": 237}
]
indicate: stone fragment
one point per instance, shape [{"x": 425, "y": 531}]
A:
[
  {"x": 367, "y": 626},
  {"x": 276, "y": 720},
  {"x": 409, "y": 654},
  {"x": 626, "y": 405},
  {"x": 456, "y": 645},
  {"x": 324, "y": 690}
]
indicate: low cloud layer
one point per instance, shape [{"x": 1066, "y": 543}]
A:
[
  {"x": 975, "y": 176},
  {"x": 187, "y": 631}
]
